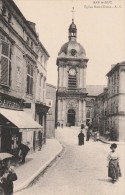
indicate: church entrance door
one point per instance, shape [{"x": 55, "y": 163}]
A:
[{"x": 71, "y": 117}]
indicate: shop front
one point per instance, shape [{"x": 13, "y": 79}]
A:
[
  {"x": 41, "y": 112},
  {"x": 17, "y": 126}
]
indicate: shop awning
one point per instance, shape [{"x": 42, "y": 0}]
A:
[{"x": 20, "y": 119}]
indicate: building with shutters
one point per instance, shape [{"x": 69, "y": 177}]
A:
[
  {"x": 108, "y": 112},
  {"x": 23, "y": 61},
  {"x": 116, "y": 101},
  {"x": 99, "y": 112}
]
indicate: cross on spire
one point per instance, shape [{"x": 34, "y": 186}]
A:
[{"x": 73, "y": 11}]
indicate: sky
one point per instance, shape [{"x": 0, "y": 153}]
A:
[{"x": 100, "y": 30}]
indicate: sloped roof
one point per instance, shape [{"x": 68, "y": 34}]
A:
[{"x": 94, "y": 90}]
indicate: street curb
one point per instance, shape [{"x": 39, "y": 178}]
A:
[
  {"x": 110, "y": 142},
  {"x": 38, "y": 172}
]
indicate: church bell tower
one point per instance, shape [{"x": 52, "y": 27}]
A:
[{"x": 71, "y": 90}]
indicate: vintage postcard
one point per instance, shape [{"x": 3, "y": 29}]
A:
[{"x": 62, "y": 97}]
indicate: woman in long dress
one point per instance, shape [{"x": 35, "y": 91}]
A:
[
  {"x": 81, "y": 138},
  {"x": 113, "y": 164}
]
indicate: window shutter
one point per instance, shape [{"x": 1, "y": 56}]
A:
[
  {"x": 4, "y": 71},
  {"x": 4, "y": 63},
  {"x": 30, "y": 79},
  {"x": 31, "y": 85}
]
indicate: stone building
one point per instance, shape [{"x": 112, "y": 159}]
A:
[
  {"x": 23, "y": 61},
  {"x": 92, "y": 93},
  {"x": 51, "y": 102},
  {"x": 116, "y": 101},
  {"x": 71, "y": 90},
  {"x": 99, "y": 112},
  {"x": 108, "y": 112}
]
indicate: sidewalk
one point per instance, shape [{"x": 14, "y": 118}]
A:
[{"x": 36, "y": 163}]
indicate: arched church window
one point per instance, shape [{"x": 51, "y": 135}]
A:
[
  {"x": 72, "y": 81},
  {"x": 88, "y": 114}
]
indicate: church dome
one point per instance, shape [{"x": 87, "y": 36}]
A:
[{"x": 72, "y": 48}]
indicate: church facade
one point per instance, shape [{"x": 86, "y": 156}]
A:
[{"x": 71, "y": 90}]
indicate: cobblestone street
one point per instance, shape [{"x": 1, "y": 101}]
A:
[{"x": 80, "y": 170}]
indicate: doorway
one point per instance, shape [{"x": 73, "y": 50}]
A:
[
  {"x": 71, "y": 117},
  {"x": 6, "y": 140}
]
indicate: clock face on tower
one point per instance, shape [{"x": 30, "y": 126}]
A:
[{"x": 72, "y": 72}]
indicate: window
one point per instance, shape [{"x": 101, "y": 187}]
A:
[
  {"x": 32, "y": 45},
  {"x": 44, "y": 89},
  {"x": 9, "y": 18},
  {"x": 88, "y": 114},
  {"x": 29, "y": 79},
  {"x": 40, "y": 80},
  {"x": 41, "y": 59},
  {"x": 3, "y": 10},
  {"x": 5, "y": 63},
  {"x": 18, "y": 72},
  {"x": 28, "y": 40},
  {"x": 72, "y": 84}
]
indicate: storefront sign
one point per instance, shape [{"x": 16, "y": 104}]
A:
[{"x": 4, "y": 102}]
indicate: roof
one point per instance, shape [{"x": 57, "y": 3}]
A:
[
  {"x": 13, "y": 4},
  {"x": 95, "y": 90},
  {"x": 67, "y": 47},
  {"x": 50, "y": 85},
  {"x": 115, "y": 67},
  {"x": 20, "y": 119},
  {"x": 46, "y": 52}
]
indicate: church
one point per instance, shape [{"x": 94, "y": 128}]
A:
[{"x": 75, "y": 99}]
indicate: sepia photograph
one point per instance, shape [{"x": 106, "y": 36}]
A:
[{"x": 62, "y": 97}]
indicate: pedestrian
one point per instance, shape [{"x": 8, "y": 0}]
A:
[
  {"x": 7, "y": 178},
  {"x": 40, "y": 140},
  {"x": 81, "y": 138},
  {"x": 95, "y": 135},
  {"x": 62, "y": 125},
  {"x": 82, "y": 126},
  {"x": 113, "y": 164},
  {"x": 23, "y": 151},
  {"x": 97, "y": 138},
  {"x": 87, "y": 135}
]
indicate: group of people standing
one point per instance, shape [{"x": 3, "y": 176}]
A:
[
  {"x": 89, "y": 134},
  {"x": 7, "y": 173},
  {"x": 114, "y": 171},
  {"x": 7, "y": 176}
]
